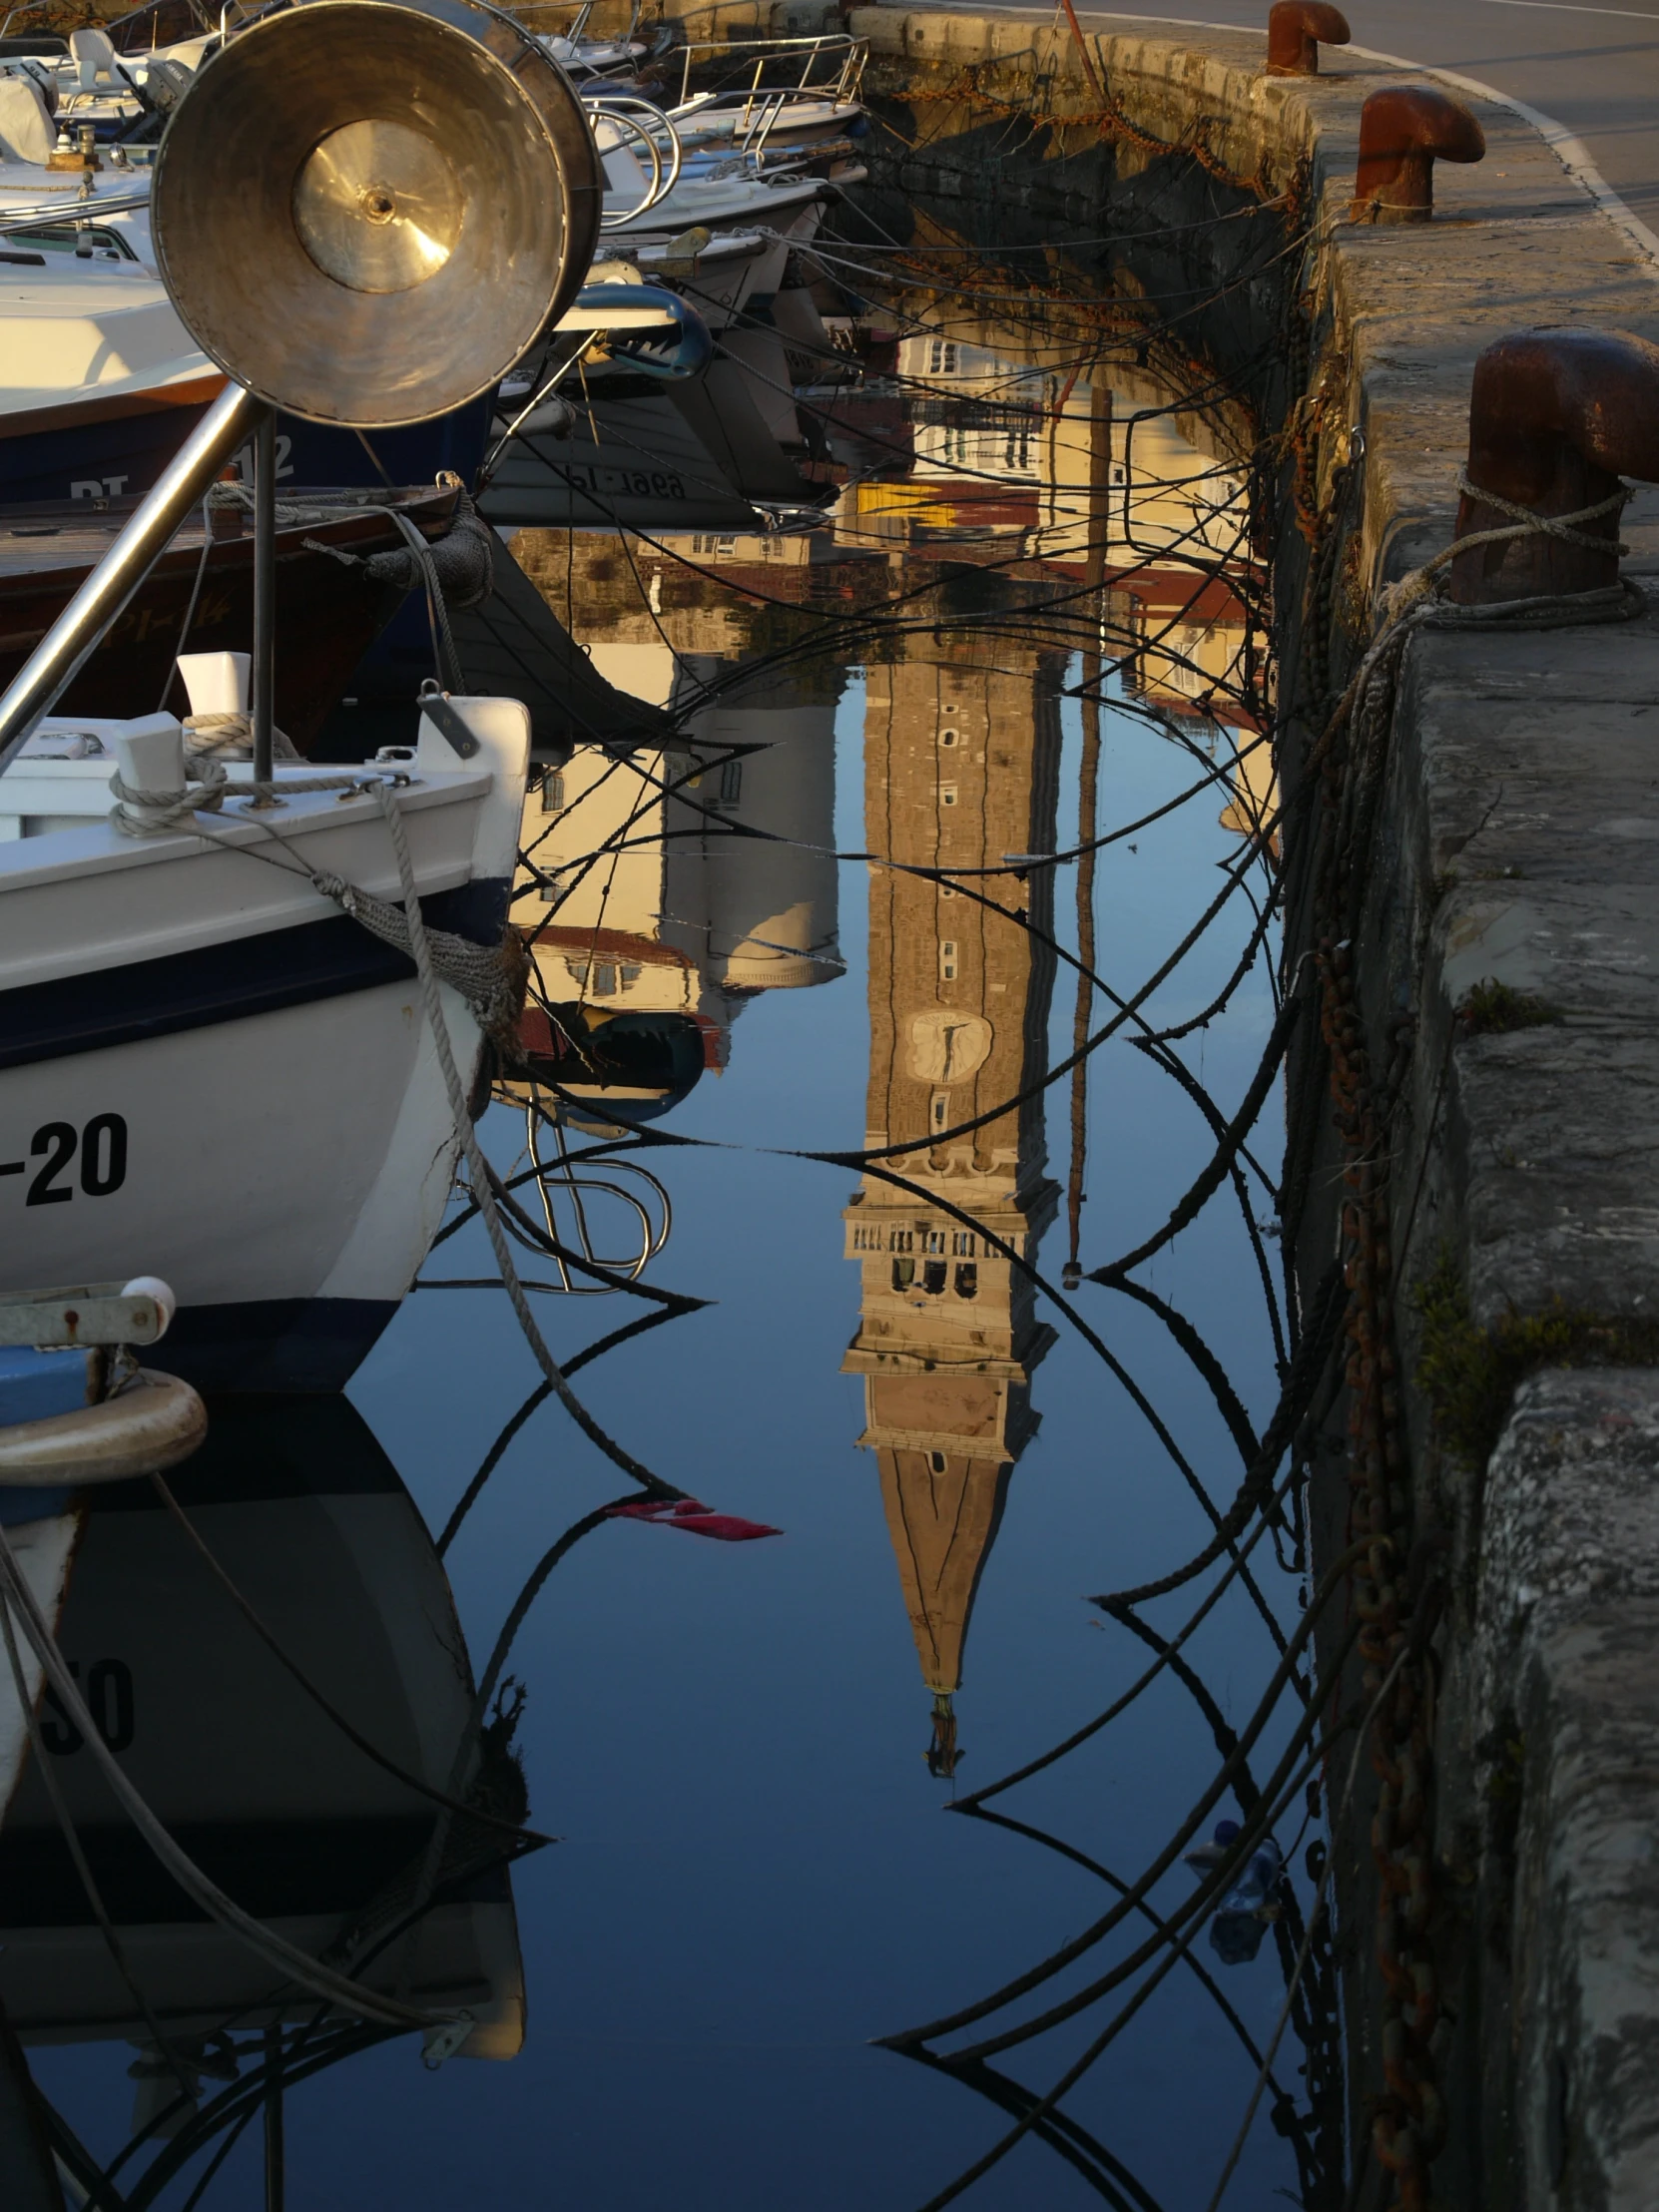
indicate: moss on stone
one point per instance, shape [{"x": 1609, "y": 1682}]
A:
[
  {"x": 1491, "y": 1007},
  {"x": 1469, "y": 1374}
]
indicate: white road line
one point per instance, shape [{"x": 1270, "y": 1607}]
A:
[
  {"x": 1571, "y": 152},
  {"x": 1572, "y": 7}
]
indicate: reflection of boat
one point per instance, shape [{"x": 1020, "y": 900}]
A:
[
  {"x": 301, "y": 1506},
  {"x": 665, "y": 941}
]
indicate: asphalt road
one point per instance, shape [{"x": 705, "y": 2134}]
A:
[{"x": 1595, "y": 70}]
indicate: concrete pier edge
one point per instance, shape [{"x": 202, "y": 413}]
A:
[{"x": 1519, "y": 848}]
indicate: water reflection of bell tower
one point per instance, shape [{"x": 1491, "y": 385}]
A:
[{"x": 960, "y": 767}]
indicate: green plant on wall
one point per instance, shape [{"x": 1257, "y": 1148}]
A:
[{"x": 1469, "y": 1374}]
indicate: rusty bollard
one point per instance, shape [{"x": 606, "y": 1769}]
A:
[
  {"x": 1555, "y": 417},
  {"x": 1403, "y": 132},
  {"x": 1296, "y": 31}
]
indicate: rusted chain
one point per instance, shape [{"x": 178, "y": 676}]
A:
[{"x": 1409, "y": 2125}]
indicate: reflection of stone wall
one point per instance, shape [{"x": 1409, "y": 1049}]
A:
[{"x": 960, "y": 767}]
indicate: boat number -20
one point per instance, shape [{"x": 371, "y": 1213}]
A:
[{"x": 51, "y": 1167}]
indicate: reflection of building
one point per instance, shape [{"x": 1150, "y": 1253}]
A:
[
  {"x": 652, "y": 918},
  {"x": 300, "y": 1505},
  {"x": 960, "y": 767}
]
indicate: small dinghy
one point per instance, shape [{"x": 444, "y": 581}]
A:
[
  {"x": 75, "y": 1406},
  {"x": 199, "y": 596},
  {"x": 77, "y": 1412}
]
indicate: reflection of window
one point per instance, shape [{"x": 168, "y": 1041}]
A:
[
  {"x": 904, "y": 1274},
  {"x": 948, "y": 736},
  {"x": 941, "y": 357},
  {"x": 900, "y": 1239},
  {"x": 552, "y": 791},
  {"x": 967, "y": 1281},
  {"x": 937, "y": 1462},
  {"x": 961, "y": 1244},
  {"x": 932, "y": 1278},
  {"x": 947, "y": 891},
  {"x": 605, "y": 977},
  {"x": 932, "y": 1239},
  {"x": 939, "y": 1111},
  {"x": 947, "y": 795},
  {"x": 731, "y": 782},
  {"x": 948, "y": 960}
]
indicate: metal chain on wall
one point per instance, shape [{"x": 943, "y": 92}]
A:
[{"x": 1395, "y": 1606}]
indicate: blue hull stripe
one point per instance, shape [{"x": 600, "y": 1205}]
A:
[{"x": 225, "y": 983}]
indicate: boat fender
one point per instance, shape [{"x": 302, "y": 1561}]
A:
[
  {"x": 460, "y": 558},
  {"x": 151, "y": 1425}
]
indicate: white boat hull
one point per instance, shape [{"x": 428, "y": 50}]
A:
[{"x": 209, "y": 1072}]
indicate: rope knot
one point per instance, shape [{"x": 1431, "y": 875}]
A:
[
  {"x": 145, "y": 814},
  {"x": 1529, "y": 523}
]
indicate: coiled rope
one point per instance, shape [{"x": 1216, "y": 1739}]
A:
[{"x": 225, "y": 737}]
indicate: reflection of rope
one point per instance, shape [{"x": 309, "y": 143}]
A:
[{"x": 421, "y": 951}]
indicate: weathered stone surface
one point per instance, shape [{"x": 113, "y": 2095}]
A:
[{"x": 1568, "y": 1714}]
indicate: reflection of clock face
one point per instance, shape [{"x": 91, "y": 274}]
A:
[{"x": 948, "y": 1047}]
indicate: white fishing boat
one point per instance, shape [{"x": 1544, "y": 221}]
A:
[
  {"x": 727, "y": 194},
  {"x": 202, "y": 965},
  {"x": 240, "y": 1015},
  {"x": 53, "y": 174}
]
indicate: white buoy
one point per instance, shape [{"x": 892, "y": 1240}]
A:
[{"x": 160, "y": 1296}]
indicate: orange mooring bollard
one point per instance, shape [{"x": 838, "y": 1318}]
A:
[
  {"x": 1555, "y": 417},
  {"x": 1403, "y": 132},
  {"x": 1296, "y": 31}
]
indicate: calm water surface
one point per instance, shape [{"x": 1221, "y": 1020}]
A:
[{"x": 747, "y": 1749}]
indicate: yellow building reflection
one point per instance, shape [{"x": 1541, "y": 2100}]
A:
[{"x": 651, "y": 909}]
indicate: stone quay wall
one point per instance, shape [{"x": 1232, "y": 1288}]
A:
[{"x": 1506, "y": 964}]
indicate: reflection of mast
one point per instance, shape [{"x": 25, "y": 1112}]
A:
[
  {"x": 1100, "y": 494},
  {"x": 960, "y": 767}
]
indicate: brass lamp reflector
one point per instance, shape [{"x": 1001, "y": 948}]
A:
[{"x": 364, "y": 216}]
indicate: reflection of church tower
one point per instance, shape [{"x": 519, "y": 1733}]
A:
[{"x": 960, "y": 767}]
